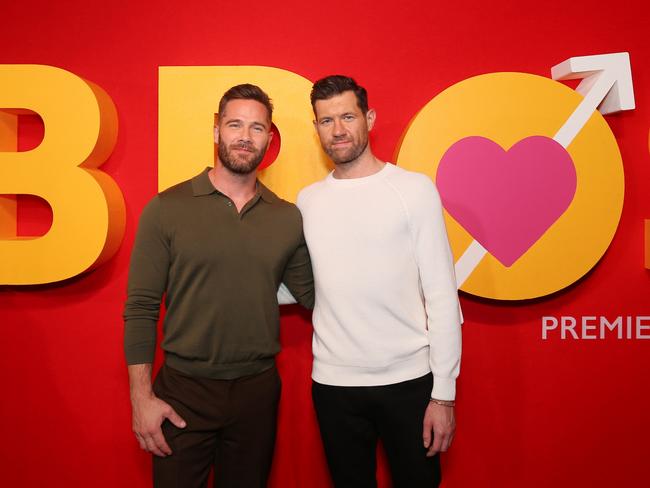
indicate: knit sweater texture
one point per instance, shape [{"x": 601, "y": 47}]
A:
[
  {"x": 218, "y": 270},
  {"x": 387, "y": 306}
]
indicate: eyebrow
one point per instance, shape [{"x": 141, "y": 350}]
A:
[
  {"x": 328, "y": 116},
  {"x": 228, "y": 121}
]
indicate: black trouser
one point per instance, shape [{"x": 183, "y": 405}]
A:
[
  {"x": 352, "y": 418},
  {"x": 231, "y": 425}
]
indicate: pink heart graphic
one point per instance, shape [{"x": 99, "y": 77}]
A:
[{"x": 506, "y": 199}]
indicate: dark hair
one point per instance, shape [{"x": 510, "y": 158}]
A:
[
  {"x": 246, "y": 92},
  {"x": 331, "y": 86}
]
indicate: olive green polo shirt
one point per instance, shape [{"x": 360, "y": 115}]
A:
[{"x": 218, "y": 270}]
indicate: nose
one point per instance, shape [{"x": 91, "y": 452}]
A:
[
  {"x": 339, "y": 130},
  {"x": 245, "y": 135}
]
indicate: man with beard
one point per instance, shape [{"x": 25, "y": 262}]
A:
[
  {"x": 217, "y": 247},
  {"x": 387, "y": 320}
]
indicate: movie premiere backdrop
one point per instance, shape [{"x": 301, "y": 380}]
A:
[{"x": 531, "y": 117}]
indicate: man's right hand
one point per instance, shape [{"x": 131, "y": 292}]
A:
[{"x": 149, "y": 412}]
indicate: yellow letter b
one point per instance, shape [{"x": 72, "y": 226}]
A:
[{"x": 87, "y": 206}]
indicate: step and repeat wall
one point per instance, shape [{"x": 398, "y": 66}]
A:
[{"x": 531, "y": 118}]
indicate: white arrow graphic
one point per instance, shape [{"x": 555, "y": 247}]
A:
[{"x": 606, "y": 85}]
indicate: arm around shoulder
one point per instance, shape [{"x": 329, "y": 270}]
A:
[{"x": 298, "y": 277}]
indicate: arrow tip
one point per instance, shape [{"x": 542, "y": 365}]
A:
[{"x": 615, "y": 66}]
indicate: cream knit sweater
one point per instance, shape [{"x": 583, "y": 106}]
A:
[{"x": 386, "y": 302}]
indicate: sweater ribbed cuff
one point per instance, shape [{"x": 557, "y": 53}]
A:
[
  {"x": 443, "y": 389},
  {"x": 140, "y": 341}
]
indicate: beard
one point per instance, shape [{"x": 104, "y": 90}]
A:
[
  {"x": 239, "y": 164},
  {"x": 349, "y": 155}
]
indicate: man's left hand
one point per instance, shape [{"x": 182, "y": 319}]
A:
[{"x": 440, "y": 421}]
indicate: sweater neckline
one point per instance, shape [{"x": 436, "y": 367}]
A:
[{"x": 345, "y": 182}]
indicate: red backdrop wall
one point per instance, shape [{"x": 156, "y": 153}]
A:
[{"x": 530, "y": 412}]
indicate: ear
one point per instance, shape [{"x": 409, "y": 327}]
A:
[
  {"x": 371, "y": 115},
  {"x": 216, "y": 134},
  {"x": 315, "y": 122}
]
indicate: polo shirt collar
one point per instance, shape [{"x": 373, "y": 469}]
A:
[
  {"x": 267, "y": 195},
  {"x": 201, "y": 185}
]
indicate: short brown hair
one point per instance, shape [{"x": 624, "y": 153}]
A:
[
  {"x": 330, "y": 86},
  {"x": 246, "y": 91}
]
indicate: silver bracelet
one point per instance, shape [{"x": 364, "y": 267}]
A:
[{"x": 444, "y": 403}]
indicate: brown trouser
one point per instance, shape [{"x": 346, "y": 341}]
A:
[{"x": 231, "y": 425}]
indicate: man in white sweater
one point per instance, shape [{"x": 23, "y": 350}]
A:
[{"x": 387, "y": 338}]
